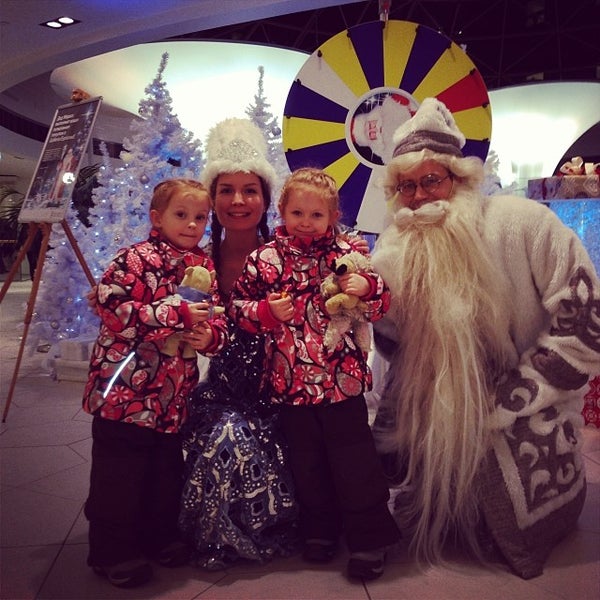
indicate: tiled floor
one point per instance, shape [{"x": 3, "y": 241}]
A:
[{"x": 45, "y": 452}]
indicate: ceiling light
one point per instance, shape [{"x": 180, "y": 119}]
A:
[{"x": 60, "y": 22}]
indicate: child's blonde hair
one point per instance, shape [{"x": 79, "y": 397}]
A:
[
  {"x": 163, "y": 192},
  {"x": 315, "y": 180}
]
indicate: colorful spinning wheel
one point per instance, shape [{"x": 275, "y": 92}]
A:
[{"x": 354, "y": 91}]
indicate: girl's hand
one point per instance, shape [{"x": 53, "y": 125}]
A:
[
  {"x": 200, "y": 337},
  {"x": 360, "y": 245},
  {"x": 200, "y": 311},
  {"x": 281, "y": 306},
  {"x": 354, "y": 284}
]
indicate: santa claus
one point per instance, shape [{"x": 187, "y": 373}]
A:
[{"x": 493, "y": 331}]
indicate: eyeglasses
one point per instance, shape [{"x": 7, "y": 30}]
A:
[{"x": 429, "y": 183}]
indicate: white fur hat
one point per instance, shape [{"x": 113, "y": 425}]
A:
[
  {"x": 432, "y": 127},
  {"x": 235, "y": 145}
]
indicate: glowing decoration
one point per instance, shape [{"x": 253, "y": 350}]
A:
[
  {"x": 583, "y": 217},
  {"x": 354, "y": 91}
]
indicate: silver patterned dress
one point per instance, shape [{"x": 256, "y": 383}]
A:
[{"x": 237, "y": 500}]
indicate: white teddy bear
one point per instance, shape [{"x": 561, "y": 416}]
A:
[{"x": 347, "y": 311}]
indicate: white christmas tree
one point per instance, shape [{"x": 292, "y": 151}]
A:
[
  {"x": 157, "y": 148},
  {"x": 492, "y": 185},
  {"x": 264, "y": 119}
]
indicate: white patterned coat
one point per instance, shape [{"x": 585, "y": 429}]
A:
[{"x": 533, "y": 485}]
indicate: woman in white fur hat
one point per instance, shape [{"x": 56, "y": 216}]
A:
[
  {"x": 493, "y": 331},
  {"x": 238, "y": 498}
]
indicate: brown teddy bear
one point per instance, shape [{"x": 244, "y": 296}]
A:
[
  {"x": 347, "y": 312},
  {"x": 194, "y": 287}
]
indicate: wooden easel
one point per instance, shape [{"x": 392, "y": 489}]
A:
[{"x": 46, "y": 230}]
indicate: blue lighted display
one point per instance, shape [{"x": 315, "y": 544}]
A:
[{"x": 583, "y": 217}]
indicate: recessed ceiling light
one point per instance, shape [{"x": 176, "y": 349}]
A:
[{"x": 60, "y": 22}]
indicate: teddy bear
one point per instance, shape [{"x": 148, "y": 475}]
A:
[
  {"x": 196, "y": 283},
  {"x": 194, "y": 287},
  {"x": 347, "y": 311}
]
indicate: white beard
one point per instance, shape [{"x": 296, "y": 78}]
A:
[{"x": 448, "y": 308}]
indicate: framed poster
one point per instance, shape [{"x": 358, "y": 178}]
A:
[{"x": 51, "y": 187}]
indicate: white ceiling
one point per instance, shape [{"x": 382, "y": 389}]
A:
[
  {"x": 207, "y": 81},
  {"x": 37, "y": 63},
  {"x": 28, "y": 49},
  {"x": 30, "y": 52}
]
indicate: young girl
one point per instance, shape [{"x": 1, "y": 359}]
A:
[
  {"x": 137, "y": 393},
  {"x": 339, "y": 482}
]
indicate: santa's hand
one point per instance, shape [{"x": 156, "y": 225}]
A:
[{"x": 282, "y": 306}]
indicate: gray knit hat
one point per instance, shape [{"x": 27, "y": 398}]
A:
[
  {"x": 432, "y": 127},
  {"x": 235, "y": 145}
]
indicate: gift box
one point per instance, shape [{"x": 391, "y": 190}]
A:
[{"x": 564, "y": 187}]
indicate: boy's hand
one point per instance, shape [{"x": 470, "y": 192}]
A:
[{"x": 281, "y": 306}]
